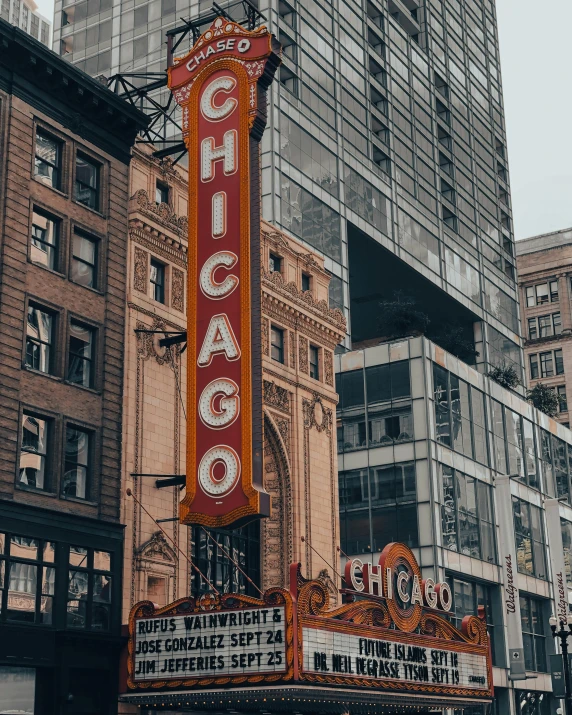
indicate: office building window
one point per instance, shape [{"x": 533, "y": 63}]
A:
[
  {"x": 81, "y": 354},
  {"x": 550, "y": 363},
  {"x": 161, "y": 190},
  {"x": 157, "y": 281},
  {"x": 541, "y": 294},
  {"x": 77, "y": 465},
  {"x": 467, "y": 597},
  {"x": 560, "y": 469},
  {"x": 314, "y": 362},
  {"x": 40, "y": 326},
  {"x": 47, "y": 167},
  {"x": 89, "y": 589},
  {"x": 459, "y": 415},
  {"x": 566, "y": 527},
  {"x": 306, "y": 282},
  {"x": 534, "y": 371},
  {"x": 562, "y": 400},
  {"x": 44, "y": 240},
  {"x": 34, "y": 451},
  {"x": 84, "y": 262},
  {"x": 467, "y": 515},
  {"x": 532, "y": 617},
  {"x": 87, "y": 179},
  {"x": 378, "y": 506},
  {"x": 27, "y": 579},
  {"x": 275, "y": 263},
  {"x": 277, "y": 344},
  {"x": 389, "y": 409},
  {"x": 351, "y": 422},
  {"x": 531, "y": 702},
  {"x": 529, "y": 537},
  {"x": 559, "y": 362}
]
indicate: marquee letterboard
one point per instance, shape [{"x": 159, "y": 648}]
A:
[
  {"x": 343, "y": 654},
  {"x": 210, "y": 644}
]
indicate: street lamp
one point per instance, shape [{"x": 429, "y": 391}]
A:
[{"x": 563, "y": 635}]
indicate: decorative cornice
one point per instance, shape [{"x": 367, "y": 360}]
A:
[
  {"x": 278, "y": 241},
  {"x": 159, "y": 243},
  {"x": 305, "y": 300},
  {"x": 160, "y": 213}
]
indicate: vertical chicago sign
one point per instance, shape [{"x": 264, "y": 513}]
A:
[{"x": 221, "y": 85}]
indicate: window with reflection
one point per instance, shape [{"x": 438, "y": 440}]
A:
[
  {"x": 211, "y": 550},
  {"x": 47, "y": 166},
  {"x": 546, "y": 462},
  {"x": 459, "y": 415},
  {"x": 467, "y": 597},
  {"x": 532, "y": 702},
  {"x": 529, "y": 538},
  {"x": 33, "y": 463},
  {"x": 84, "y": 260},
  {"x": 560, "y": 466},
  {"x": 87, "y": 181},
  {"x": 566, "y": 527},
  {"x": 77, "y": 463},
  {"x": 27, "y": 579},
  {"x": 389, "y": 409},
  {"x": 44, "y": 240},
  {"x": 377, "y": 506},
  {"x": 81, "y": 354},
  {"x": 89, "y": 589},
  {"x": 351, "y": 422},
  {"x": 467, "y": 515},
  {"x": 40, "y": 326},
  {"x": 532, "y": 618}
]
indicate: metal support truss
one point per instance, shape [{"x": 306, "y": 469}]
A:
[{"x": 141, "y": 89}]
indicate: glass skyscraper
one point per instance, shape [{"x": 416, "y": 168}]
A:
[{"x": 385, "y": 150}]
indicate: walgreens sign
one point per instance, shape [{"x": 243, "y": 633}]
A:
[{"x": 221, "y": 86}]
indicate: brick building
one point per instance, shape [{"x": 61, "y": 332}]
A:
[
  {"x": 300, "y": 333},
  {"x": 65, "y": 144},
  {"x": 545, "y": 283}
]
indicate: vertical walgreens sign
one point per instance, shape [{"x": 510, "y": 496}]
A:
[{"x": 221, "y": 85}]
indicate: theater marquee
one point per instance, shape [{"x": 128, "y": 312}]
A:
[
  {"x": 294, "y": 641},
  {"x": 221, "y": 87}
]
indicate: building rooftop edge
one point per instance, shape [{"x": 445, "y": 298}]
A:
[{"x": 544, "y": 241}]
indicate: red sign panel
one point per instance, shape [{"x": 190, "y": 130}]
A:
[{"x": 220, "y": 85}]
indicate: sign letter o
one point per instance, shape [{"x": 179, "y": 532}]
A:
[{"x": 223, "y": 457}]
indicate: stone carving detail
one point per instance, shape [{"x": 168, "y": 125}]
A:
[
  {"x": 292, "y": 337},
  {"x": 284, "y": 429},
  {"x": 276, "y": 281},
  {"x": 141, "y": 260},
  {"x": 166, "y": 168},
  {"x": 276, "y": 396},
  {"x": 178, "y": 290},
  {"x": 329, "y": 368},
  {"x": 265, "y": 337},
  {"x": 303, "y": 354},
  {"x": 316, "y": 415},
  {"x": 325, "y": 579},
  {"x": 161, "y": 212},
  {"x": 148, "y": 343},
  {"x": 157, "y": 548}
]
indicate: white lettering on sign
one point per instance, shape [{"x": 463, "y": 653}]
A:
[
  {"x": 226, "y": 152},
  {"x": 210, "y": 287},
  {"x": 219, "y": 338},
  {"x": 331, "y": 653},
  {"x": 214, "y": 644},
  {"x": 219, "y": 470},
  {"x": 219, "y": 214},
  {"x": 209, "y": 109},
  {"x": 220, "y": 46},
  {"x": 225, "y": 391}
]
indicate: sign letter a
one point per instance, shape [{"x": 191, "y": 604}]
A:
[{"x": 219, "y": 338}]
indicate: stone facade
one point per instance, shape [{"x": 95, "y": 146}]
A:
[
  {"x": 299, "y": 410},
  {"x": 546, "y": 260}
]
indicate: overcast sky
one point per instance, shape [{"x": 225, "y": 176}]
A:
[{"x": 536, "y": 57}]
